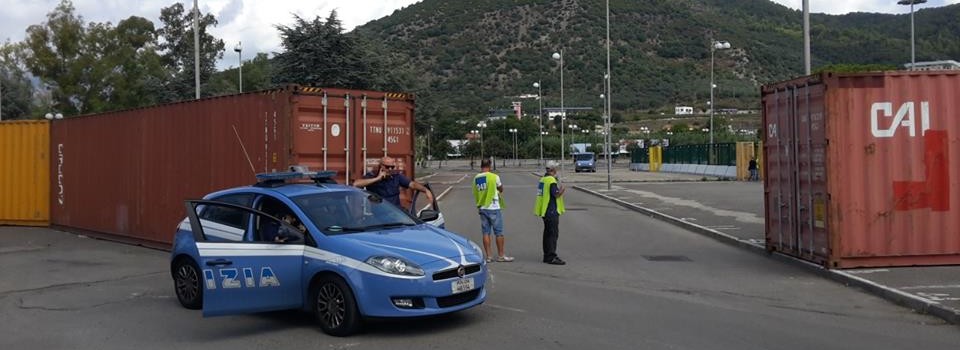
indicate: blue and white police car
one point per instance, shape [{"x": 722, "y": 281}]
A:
[{"x": 335, "y": 250}]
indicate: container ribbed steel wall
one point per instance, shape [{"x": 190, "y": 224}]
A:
[
  {"x": 24, "y": 173},
  {"x": 862, "y": 169},
  {"x": 126, "y": 174}
]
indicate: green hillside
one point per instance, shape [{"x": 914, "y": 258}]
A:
[{"x": 477, "y": 55}]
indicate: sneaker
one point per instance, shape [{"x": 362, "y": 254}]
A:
[
  {"x": 489, "y": 260},
  {"x": 556, "y": 261},
  {"x": 505, "y": 259}
]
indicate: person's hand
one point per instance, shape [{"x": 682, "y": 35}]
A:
[{"x": 429, "y": 196}]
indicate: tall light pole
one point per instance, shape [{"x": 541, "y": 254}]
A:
[
  {"x": 714, "y": 45},
  {"x": 913, "y": 48},
  {"x": 573, "y": 135},
  {"x": 196, "y": 48},
  {"x": 515, "y": 158},
  {"x": 806, "y": 39},
  {"x": 609, "y": 105},
  {"x": 481, "y": 126},
  {"x": 540, "y": 118},
  {"x": 239, "y": 50},
  {"x": 563, "y": 111}
]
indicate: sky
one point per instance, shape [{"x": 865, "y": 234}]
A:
[{"x": 252, "y": 22}]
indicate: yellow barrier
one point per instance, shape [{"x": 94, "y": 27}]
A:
[{"x": 656, "y": 158}]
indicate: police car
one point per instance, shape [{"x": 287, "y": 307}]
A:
[{"x": 335, "y": 250}]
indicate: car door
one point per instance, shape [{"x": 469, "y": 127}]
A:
[{"x": 245, "y": 275}]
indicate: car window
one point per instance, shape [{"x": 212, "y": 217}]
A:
[
  {"x": 266, "y": 229},
  {"x": 351, "y": 211},
  {"x": 226, "y": 215}
]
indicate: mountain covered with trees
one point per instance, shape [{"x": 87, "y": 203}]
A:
[
  {"x": 471, "y": 56},
  {"x": 463, "y": 58}
]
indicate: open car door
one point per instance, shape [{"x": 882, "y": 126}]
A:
[
  {"x": 246, "y": 275},
  {"x": 430, "y": 214}
]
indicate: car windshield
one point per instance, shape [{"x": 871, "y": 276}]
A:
[
  {"x": 351, "y": 211},
  {"x": 583, "y": 156}
]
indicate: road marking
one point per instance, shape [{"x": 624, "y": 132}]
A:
[
  {"x": 444, "y": 193},
  {"x": 495, "y": 306},
  {"x": 688, "y": 219},
  {"x": 861, "y": 272},
  {"x": 724, "y": 227},
  {"x": 938, "y": 296},
  {"x": 942, "y": 286}
]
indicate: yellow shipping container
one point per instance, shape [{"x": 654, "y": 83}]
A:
[{"x": 25, "y": 173}]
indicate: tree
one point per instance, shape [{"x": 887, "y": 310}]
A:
[
  {"x": 15, "y": 88},
  {"x": 88, "y": 68},
  {"x": 54, "y": 52},
  {"x": 318, "y": 53},
  {"x": 176, "y": 46}
]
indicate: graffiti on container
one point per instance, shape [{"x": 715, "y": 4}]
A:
[
  {"x": 311, "y": 127},
  {"x": 905, "y": 117},
  {"x": 60, "y": 173},
  {"x": 772, "y": 130},
  {"x": 934, "y": 191}
]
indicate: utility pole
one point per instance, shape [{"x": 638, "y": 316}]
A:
[
  {"x": 806, "y": 41},
  {"x": 196, "y": 47}
]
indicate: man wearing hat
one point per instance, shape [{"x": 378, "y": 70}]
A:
[{"x": 549, "y": 206}]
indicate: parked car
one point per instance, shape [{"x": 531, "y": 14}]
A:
[
  {"x": 335, "y": 250},
  {"x": 585, "y": 161}
]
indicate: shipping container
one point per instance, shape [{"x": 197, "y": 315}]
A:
[
  {"x": 125, "y": 174},
  {"x": 25, "y": 173},
  {"x": 861, "y": 169}
]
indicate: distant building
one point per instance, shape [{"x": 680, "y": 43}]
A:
[
  {"x": 555, "y": 111},
  {"x": 933, "y": 65},
  {"x": 683, "y": 110}
]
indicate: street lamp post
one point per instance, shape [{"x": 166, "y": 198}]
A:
[
  {"x": 540, "y": 118},
  {"x": 563, "y": 112},
  {"x": 714, "y": 45},
  {"x": 607, "y": 103},
  {"x": 573, "y": 135},
  {"x": 481, "y": 125},
  {"x": 239, "y": 50},
  {"x": 913, "y": 48},
  {"x": 515, "y": 158}
]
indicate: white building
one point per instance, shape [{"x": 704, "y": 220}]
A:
[
  {"x": 683, "y": 110},
  {"x": 934, "y": 65}
]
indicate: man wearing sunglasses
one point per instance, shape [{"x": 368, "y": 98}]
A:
[{"x": 387, "y": 181}]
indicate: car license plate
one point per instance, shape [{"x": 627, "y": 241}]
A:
[{"x": 462, "y": 285}]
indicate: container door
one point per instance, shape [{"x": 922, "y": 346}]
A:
[
  {"x": 247, "y": 275},
  {"x": 780, "y": 185},
  {"x": 810, "y": 174}
]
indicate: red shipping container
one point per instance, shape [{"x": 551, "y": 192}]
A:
[
  {"x": 125, "y": 174},
  {"x": 861, "y": 169}
]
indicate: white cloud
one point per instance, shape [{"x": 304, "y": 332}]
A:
[{"x": 846, "y": 6}]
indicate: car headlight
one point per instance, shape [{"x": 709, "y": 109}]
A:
[{"x": 395, "y": 265}]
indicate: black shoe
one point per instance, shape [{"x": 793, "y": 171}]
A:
[{"x": 556, "y": 261}]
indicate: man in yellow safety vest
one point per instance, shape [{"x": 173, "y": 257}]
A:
[
  {"x": 488, "y": 195},
  {"x": 549, "y": 206}
]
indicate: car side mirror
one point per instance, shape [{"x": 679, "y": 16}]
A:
[{"x": 429, "y": 215}]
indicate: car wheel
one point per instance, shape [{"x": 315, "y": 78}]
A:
[
  {"x": 335, "y": 307},
  {"x": 186, "y": 282}
]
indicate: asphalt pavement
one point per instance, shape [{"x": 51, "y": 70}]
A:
[
  {"x": 632, "y": 282},
  {"x": 733, "y": 211}
]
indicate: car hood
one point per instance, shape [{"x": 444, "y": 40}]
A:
[{"x": 421, "y": 244}]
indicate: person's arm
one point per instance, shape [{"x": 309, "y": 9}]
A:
[
  {"x": 557, "y": 190},
  {"x": 361, "y": 183},
  {"x": 417, "y": 186}
]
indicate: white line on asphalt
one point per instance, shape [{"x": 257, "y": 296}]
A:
[
  {"x": 942, "y": 286},
  {"x": 443, "y": 193},
  {"x": 495, "y": 306},
  {"x": 862, "y": 272},
  {"x": 883, "y": 287}
]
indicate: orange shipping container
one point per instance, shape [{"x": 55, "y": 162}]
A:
[
  {"x": 24, "y": 173},
  {"x": 861, "y": 170},
  {"x": 125, "y": 174}
]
